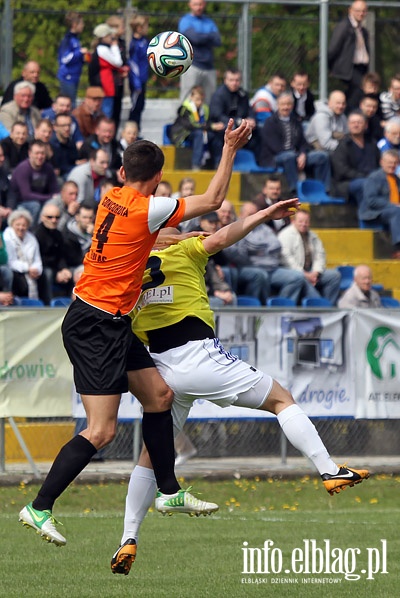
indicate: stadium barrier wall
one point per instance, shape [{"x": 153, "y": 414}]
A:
[{"x": 337, "y": 363}]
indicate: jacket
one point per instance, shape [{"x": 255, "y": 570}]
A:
[
  {"x": 272, "y": 138},
  {"x": 354, "y": 297},
  {"x": 345, "y": 167},
  {"x": 309, "y": 105},
  {"x": 204, "y": 36},
  {"x": 322, "y": 125},
  {"x": 260, "y": 247},
  {"x": 41, "y": 99},
  {"x": 70, "y": 59},
  {"x": 104, "y": 68},
  {"x": 341, "y": 49},
  {"x": 293, "y": 255},
  {"x": 225, "y": 104},
  {"x": 189, "y": 119},
  {"x": 138, "y": 64},
  {"x": 376, "y": 195},
  {"x": 10, "y": 113}
]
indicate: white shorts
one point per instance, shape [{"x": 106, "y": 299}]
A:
[{"x": 204, "y": 370}]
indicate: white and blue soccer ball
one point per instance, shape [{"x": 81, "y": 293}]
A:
[{"x": 170, "y": 54}]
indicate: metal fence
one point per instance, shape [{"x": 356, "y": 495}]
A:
[
  {"x": 226, "y": 438},
  {"x": 260, "y": 37}
]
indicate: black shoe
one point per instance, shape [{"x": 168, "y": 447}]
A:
[
  {"x": 124, "y": 557},
  {"x": 344, "y": 477}
]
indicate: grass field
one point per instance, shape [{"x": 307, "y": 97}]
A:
[{"x": 182, "y": 557}]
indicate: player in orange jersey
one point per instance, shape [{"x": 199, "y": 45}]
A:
[{"x": 106, "y": 356}]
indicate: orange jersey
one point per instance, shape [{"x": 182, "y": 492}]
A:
[{"x": 126, "y": 227}]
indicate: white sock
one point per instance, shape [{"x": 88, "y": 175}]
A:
[
  {"x": 302, "y": 434},
  {"x": 142, "y": 489}
]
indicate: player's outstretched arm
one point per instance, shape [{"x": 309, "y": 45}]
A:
[
  {"x": 214, "y": 196},
  {"x": 228, "y": 235}
]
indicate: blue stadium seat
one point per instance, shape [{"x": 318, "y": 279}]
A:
[
  {"x": 346, "y": 273},
  {"x": 27, "y": 302},
  {"x": 245, "y": 162},
  {"x": 390, "y": 302},
  {"x": 347, "y": 279},
  {"x": 280, "y": 302},
  {"x": 316, "y": 302},
  {"x": 370, "y": 224},
  {"x": 166, "y": 139},
  {"x": 261, "y": 117},
  {"x": 60, "y": 302},
  {"x": 313, "y": 191},
  {"x": 246, "y": 301}
]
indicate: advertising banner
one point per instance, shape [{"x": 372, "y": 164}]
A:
[
  {"x": 376, "y": 355},
  {"x": 35, "y": 373},
  {"x": 336, "y": 363},
  {"x": 307, "y": 352}
]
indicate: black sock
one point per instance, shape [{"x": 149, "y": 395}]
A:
[
  {"x": 70, "y": 461},
  {"x": 158, "y": 437}
]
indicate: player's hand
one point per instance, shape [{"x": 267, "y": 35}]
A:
[
  {"x": 282, "y": 209},
  {"x": 237, "y": 138}
]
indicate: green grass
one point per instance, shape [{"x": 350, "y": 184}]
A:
[{"x": 184, "y": 557}]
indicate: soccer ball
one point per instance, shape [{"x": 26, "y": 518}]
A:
[{"x": 170, "y": 54}]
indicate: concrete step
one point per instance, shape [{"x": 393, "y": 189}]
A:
[{"x": 347, "y": 246}]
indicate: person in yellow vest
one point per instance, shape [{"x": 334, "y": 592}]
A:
[
  {"x": 192, "y": 124},
  {"x": 381, "y": 201}
]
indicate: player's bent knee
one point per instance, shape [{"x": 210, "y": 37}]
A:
[
  {"x": 255, "y": 397},
  {"x": 102, "y": 438},
  {"x": 279, "y": 398}
]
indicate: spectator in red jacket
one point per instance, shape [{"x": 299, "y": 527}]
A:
[{"x": 105, "y": 65}]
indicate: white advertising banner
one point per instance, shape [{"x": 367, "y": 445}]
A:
[
  {"x": 336, "y": 363},
  {"x": 306, "y": 352},
  {"x": 35, "y": 373},
  {"x": 376, "y": 355}
]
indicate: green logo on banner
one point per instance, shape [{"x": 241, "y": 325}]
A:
[{"x": 381, "y": 338}]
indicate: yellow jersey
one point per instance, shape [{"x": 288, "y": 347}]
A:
[{"x": 173, "y": 288}]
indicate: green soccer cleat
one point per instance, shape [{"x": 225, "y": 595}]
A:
[
  {"x": 334, "y": 483},
  {"x": 43, "y": 522},
  {"x": 183, "y": 502},
  {"x": 124, "y": 557}
]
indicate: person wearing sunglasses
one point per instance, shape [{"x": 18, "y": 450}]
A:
[{"x": 57, "y": 277}]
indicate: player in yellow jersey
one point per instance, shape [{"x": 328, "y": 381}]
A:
[
  {"x": 173, "y": 317},
  {"x": 106, "y": 355}
]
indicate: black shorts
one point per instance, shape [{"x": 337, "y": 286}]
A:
[{"x": 101, "y": 348}]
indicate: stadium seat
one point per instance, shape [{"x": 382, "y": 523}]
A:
[
  {"x": 347, "y": 279},
  {"x": 27, "y": 302},
  {"x": 261, "y": 117},
  {"x": 316, "y": 302},
  {"x": 346, "y": 273},
  {"x": 245, "y": 162},
  {"x": 60, "y": 302},
  {"x": 246, "y": 301},
  {"x": 370, "y": 224},
  {"x": 280, "y": 302},
  {"x": 312, "y": 191},
  {"x": 390, "y": 302},
  {"x": 166, "y": 139}
]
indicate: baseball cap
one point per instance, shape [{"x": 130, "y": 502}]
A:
[
  {"x": 94, "y": 92},
  {"x": 102, "y": 30}
]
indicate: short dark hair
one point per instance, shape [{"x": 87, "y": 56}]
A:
[
  {"x": 370, "y": 96},
  {"x": 274, "y": 178},
  {"x": 142, "y": 160},
  {"x": 59, "y": 116},
  {"x": 37, "y": 142},
  {"x": 357, "y": 112}
]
